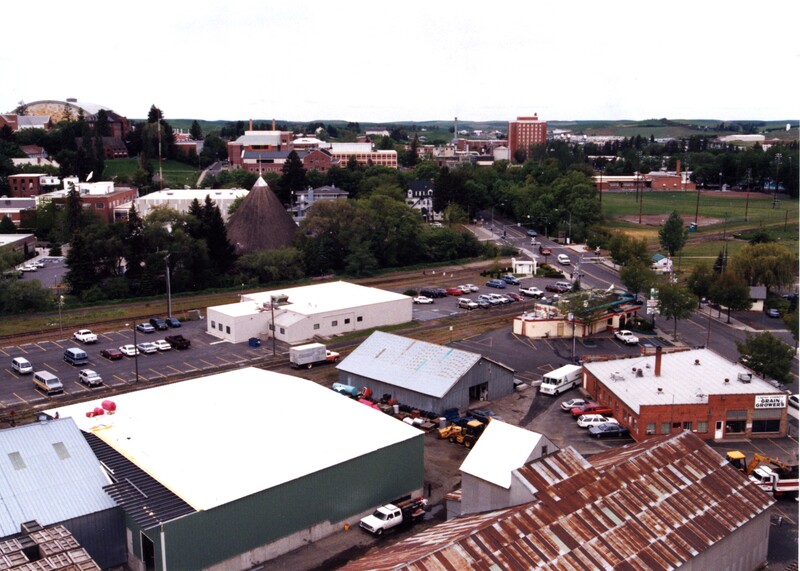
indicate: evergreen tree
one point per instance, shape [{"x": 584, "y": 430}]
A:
[
  {"x": 293, "y": 177},
  {"x": 719, "y": 263},
  {"x": 101, "y": 126},
  {"x": 195, "y": 131},
  {"x": 80, "y": 274},
  {"x": 673, "y": 235},
  {"x": 74, "y": 212},
  {"x": 221, "y": 252},
  {"x": 154, "y": 115},
  {"x": 7, "y": 226},
  {"x": 135, "y": 249}
]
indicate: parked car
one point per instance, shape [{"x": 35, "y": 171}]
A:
[
  {"x": 487, "y": 297},
  {"x": 422, "y": 299},
  {"x": 500, "y": 298},
  {"x": 591, "y": 408},
  {"x": 173, "y": 321},
  {"x": 90, "y": 378},
  {"x": 158, "y": 323},
  {"x": 626, "y": 337},
  {"x": 587, "y": 420},
  {"x": 794, "y": 401},
  {"x": 145, "y": 328},
  {"x": 532, "y": 291},
  {"x": 532, "y": 233},
  {"x": 545, "y": 251},
  {"x": 483, "y": 304},
  {"x": 564, "y": 260},
  {"x": 568, "y": 405},
  {"x": 473, "y": 288},
  {"x": 467, "y": 303},
  {"x": 147, "y": 347},
  {"x": 499, "y": 284},
  {"x": 129, "y": 350},
  {"x": 162, "y": 345},
  {"x": 509, "y": 279},
  {"x": 465, "y": 289},
  {"x": 559, "y": 287},
  {"x": 772, "y": 312},
  {"x": 111, "y": 354},
  {"x": 608, "y": 429},
  {"x": 514, "y": 296},
  {"x": 454, "y": 291},
  {"x": 85, "y": 336}
]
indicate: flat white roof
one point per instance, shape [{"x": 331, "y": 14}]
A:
[
  {"x": 681, "y": 381},
  {"x": 501, "y": 449},
  {"x": 219, "y": 438},
  {"x": 323, "y": 298},
  {"x": 190, "y": 193}
]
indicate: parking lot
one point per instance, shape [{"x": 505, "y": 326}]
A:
[{"x": 205, "y": 354}]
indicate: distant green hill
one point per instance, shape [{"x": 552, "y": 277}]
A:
[{"x": 658, "y": 128}]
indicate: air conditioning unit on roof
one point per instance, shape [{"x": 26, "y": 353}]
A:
[{"x": 745, "y": 377}]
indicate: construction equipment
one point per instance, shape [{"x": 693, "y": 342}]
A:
[
  {"x": 769, "y": 474},
  {"x": 467, "y": 435}
]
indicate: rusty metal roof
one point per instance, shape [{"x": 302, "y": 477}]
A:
[{"x": 652, "y": 505}]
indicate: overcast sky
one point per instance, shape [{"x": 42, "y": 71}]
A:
[{"x": 374, "y": 61}]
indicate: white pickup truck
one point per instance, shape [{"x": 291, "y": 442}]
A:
[
  {"x": 85, "y": 336},
  {"x": 392, "y": 515},
  {"x": 532, "y": 291}
]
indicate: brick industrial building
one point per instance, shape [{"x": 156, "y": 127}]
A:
[
  {"x": 695, "y": 390},
  {"x": 524, "y": 132}
]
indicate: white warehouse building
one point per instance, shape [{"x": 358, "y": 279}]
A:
[{"x": 305, "y": 312}]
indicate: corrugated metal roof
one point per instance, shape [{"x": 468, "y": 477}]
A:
[
  {"x": 49, "y": 474},
  {"x": 654, "y": 505},
  {"x": 144, "y": 499},
  {"x": 409, "y": 363}
]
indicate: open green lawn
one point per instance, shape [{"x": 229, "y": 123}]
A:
[
  {"x": 176, "y": 174},
  {"x": 717, "y": 212}
]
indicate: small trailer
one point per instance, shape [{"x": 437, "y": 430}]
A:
[{"x": 306, "y": 356}]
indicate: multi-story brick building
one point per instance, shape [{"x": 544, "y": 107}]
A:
[
  {"x": 254, "y": 142},
  {"x": 101, "y": 197},
  {"x": 364, "y": 155},
  {"x": 524, "y": 132},
  {"x": 31, "y": 184},
  {"x": 697, "y": 390}
]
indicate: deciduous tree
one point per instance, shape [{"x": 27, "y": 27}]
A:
[
  {"x": 770, "y": 265},
  {"x": 732, "y": 292},
  {"x": 675, "y": 302},
  {"x": 768, "y": 356}
]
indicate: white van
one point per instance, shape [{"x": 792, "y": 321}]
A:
[
  {"x": 564, "y": 260},
  {"x": 47, "y": 382},
  {"x": 560, "y": 380},
  {"x": 21, "y": 365}
]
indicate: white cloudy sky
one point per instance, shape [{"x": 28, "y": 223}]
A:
[{"x": 376, "y": 61}]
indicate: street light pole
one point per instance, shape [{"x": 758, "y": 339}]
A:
[{"x": 169, "y": 288}]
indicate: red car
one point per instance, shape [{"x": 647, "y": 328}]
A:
[
  {"x": 111, "y": 354},
  {"x": 514, "y": 296},
  {"x": 591, "y": 408},
  {"x": 545, "y": 251},
  {"x": 454, "y": 291}
]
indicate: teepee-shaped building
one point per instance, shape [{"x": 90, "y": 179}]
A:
[{"x": 261, "y": 222}]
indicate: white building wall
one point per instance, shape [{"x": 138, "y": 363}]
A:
[{"x": 240, "y": 328}]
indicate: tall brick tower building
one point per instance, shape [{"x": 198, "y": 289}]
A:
[{"x": 524, "y": 132}]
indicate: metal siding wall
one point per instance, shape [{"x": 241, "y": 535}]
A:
[
  {"x": 102, "y": 534},
  {"x": 335, "y": 494}
]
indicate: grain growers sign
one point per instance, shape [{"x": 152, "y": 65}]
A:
[{"x": 770, "y": 401}]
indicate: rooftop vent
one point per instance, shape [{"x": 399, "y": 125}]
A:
[
  {"x": 660, "y": 390},
  {"x": 727, "y": 381},
  {"x": 697, "y": 361},
  {"x": 639, "y": 373}
]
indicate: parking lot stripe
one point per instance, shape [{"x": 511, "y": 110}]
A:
[
  {"x": 173, "y": 368},
  {"x": 206, "y": 363},
  {"x": 20, "y": 398}
]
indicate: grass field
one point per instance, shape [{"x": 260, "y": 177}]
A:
[
  {"x": 721, "y": 220},
  {"x": 176, "y": 174}
]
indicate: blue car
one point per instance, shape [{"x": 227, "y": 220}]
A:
[
  {"x": 509, "y": 279},
  {"x": 173, "y": 321},
  {"x": 499, "y": 284}
]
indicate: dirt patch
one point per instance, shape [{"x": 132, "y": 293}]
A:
[{"x": 660, "y": 219}]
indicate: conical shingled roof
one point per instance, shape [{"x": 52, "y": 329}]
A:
[{"x": 261, "y": 222}]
